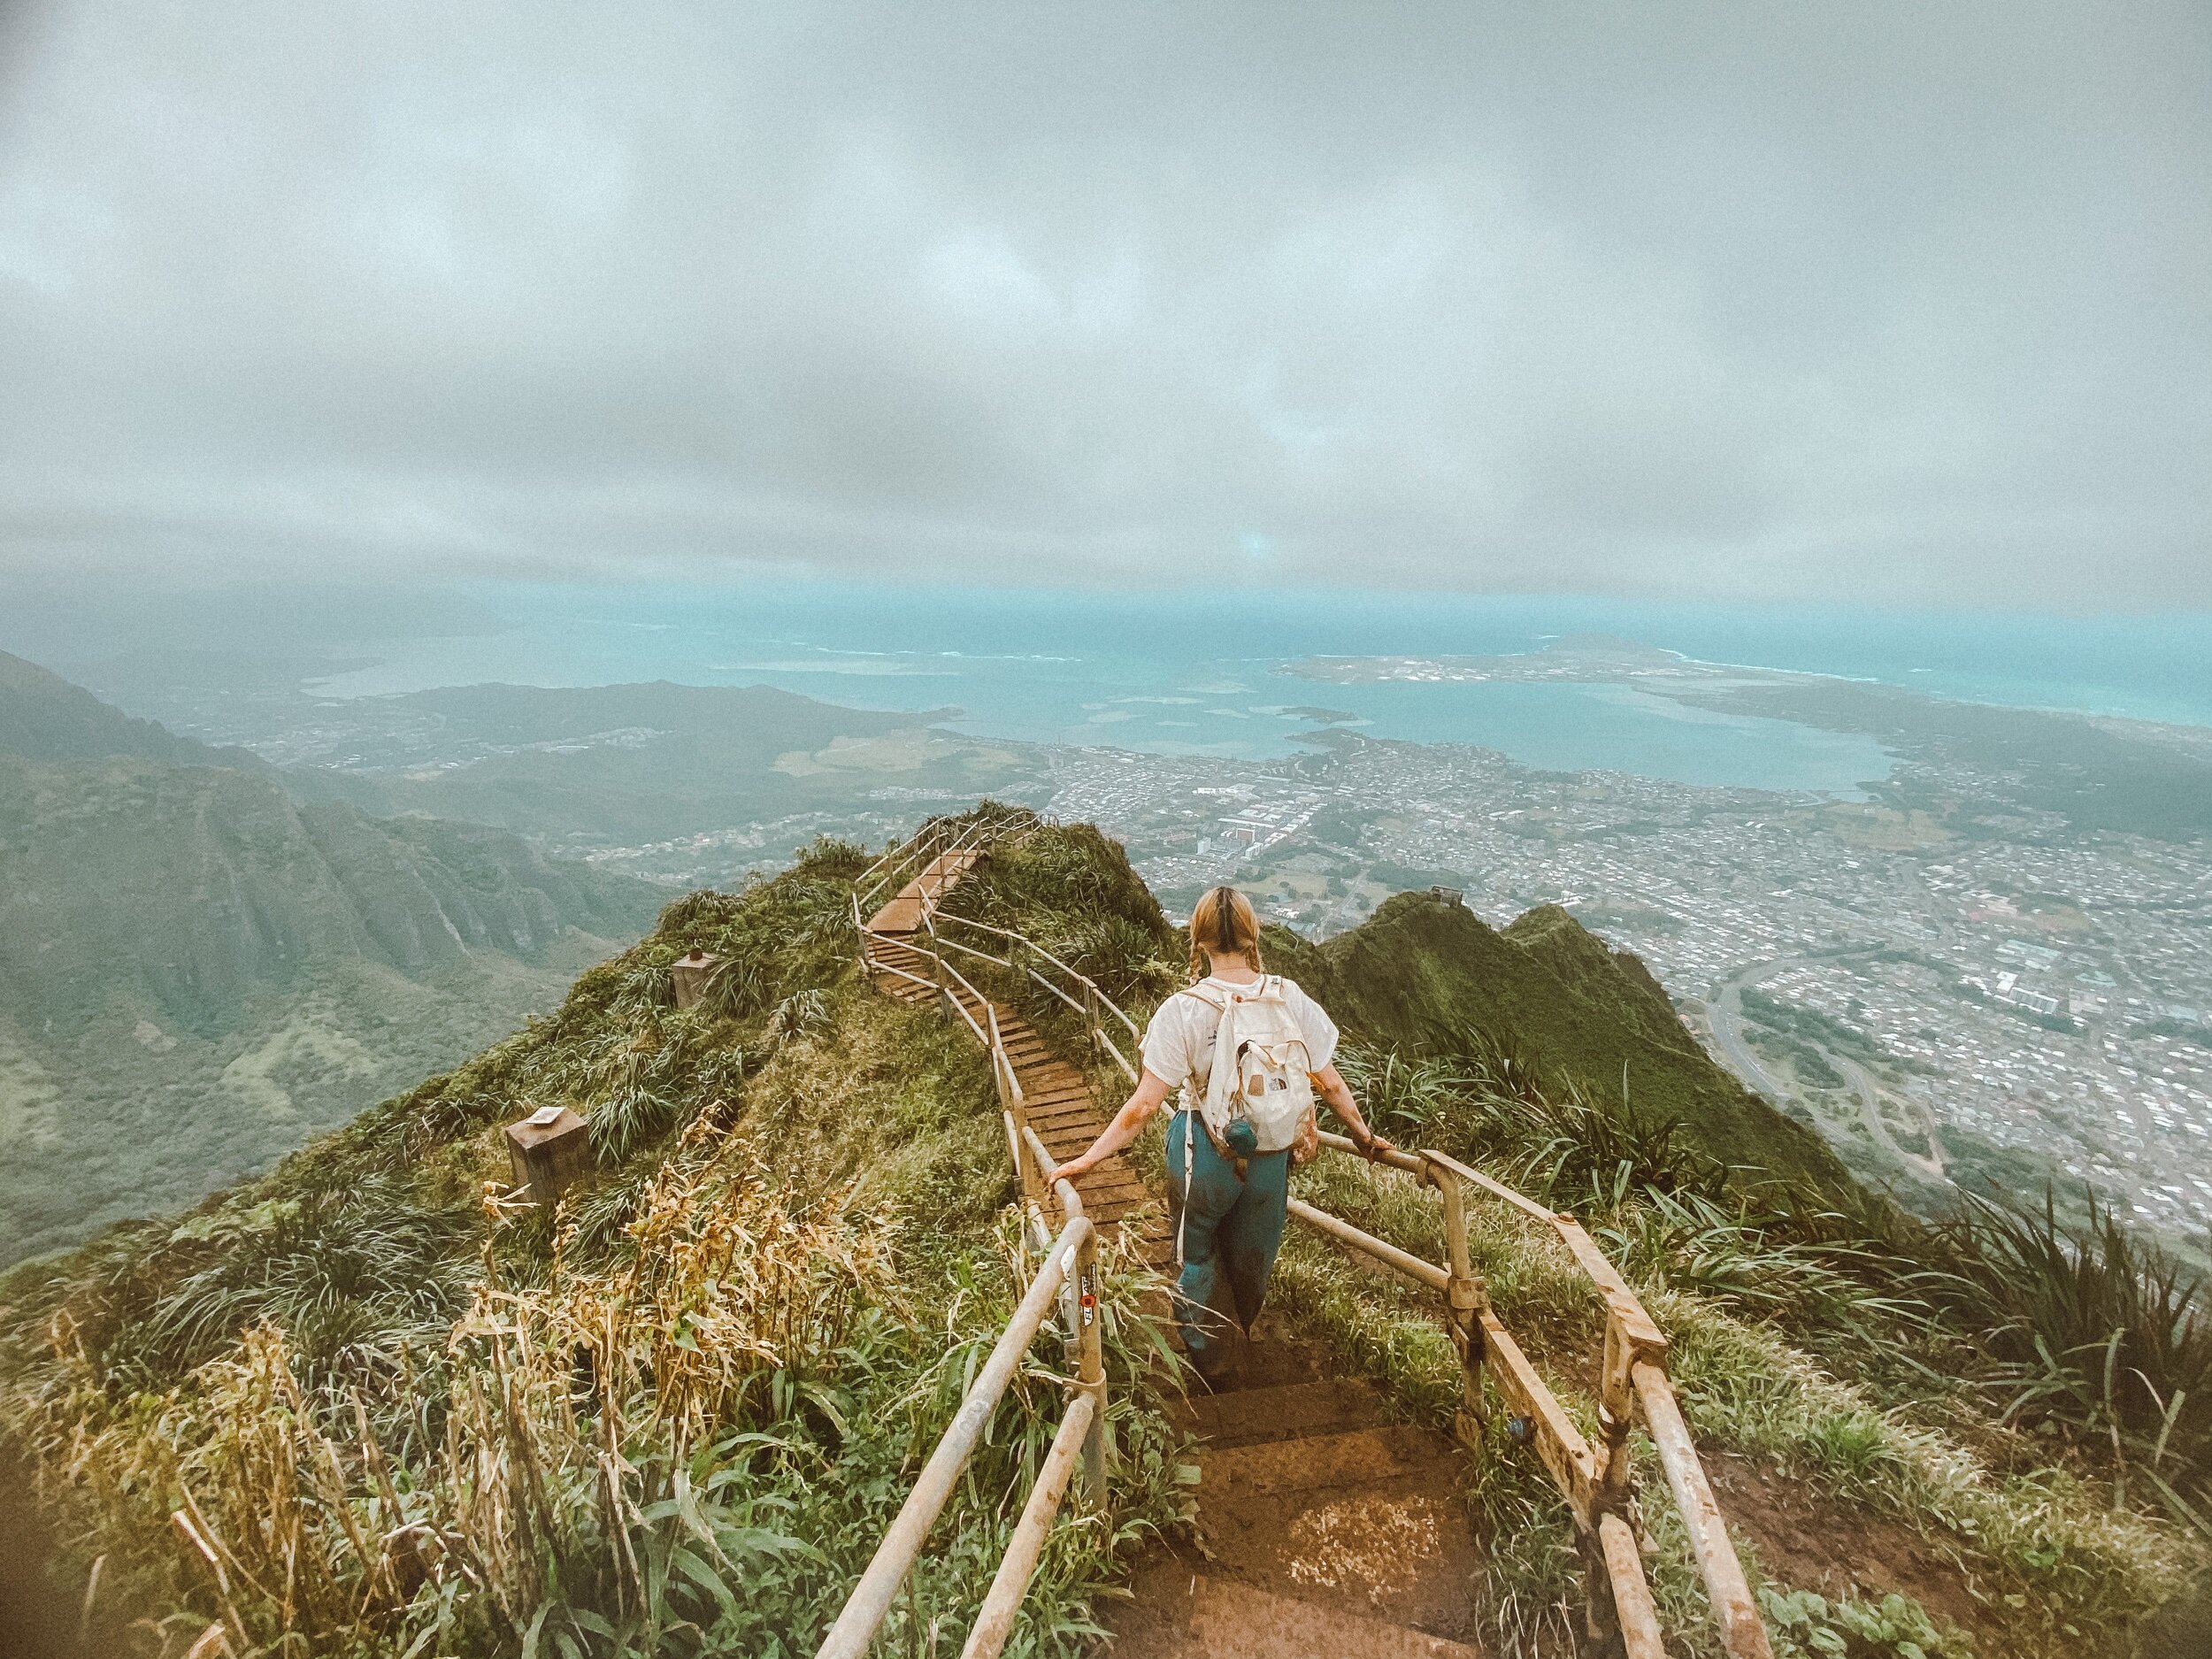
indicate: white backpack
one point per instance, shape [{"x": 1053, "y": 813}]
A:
[{"x": 1261, "y": 1067}]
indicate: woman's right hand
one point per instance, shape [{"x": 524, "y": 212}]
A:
[{"x": 1074, "y": 1170}]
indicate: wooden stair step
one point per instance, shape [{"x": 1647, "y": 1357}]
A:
[
  {"x": 1044, "y": 1085},
  {"x": 1223, "y": 1619},
  {"x": 1354, "y": 1458},
  {"x": 1112, "y": 1191},
  {"x": 1109, "y": 1211},
  {"x": 1281, "y": 1411},
  {"x": 1069, "y": 1140}
]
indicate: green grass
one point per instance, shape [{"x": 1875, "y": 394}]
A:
[
  {"x": 407, "y": 1420},
  {"x": 674, "y": 1419},
  {"x": 2052, "y": 1550}
]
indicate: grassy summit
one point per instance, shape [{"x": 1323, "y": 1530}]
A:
[
  {"x": 673, "y": 1417},
  {"x": 1425, "y": 973}
]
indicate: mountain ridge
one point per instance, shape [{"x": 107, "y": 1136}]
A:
[
  {"x": 43, "y": 716},
  {"x": 198, "y": 968},
  {"x": 754, "y": 1321},
  {"x": 1423, "y": 973}
]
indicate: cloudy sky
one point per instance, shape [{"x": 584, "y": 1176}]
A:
[{"x": 1854, "y": 302}]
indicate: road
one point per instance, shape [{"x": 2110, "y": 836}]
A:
[
  {"x": 1869, "y": 1091},
  {"x": 1726, "y": 1012}
]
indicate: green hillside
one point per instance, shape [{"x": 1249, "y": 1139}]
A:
[
  {"x": 198, "y": 971},
  {"x": 1424, "y": 974},
  {"x": 673, "y": 1417},
  {"x": 42, "y": 717}
]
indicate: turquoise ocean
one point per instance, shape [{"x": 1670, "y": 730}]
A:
[{"x": 1189, "y": 673}]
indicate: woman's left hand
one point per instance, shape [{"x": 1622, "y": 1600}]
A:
[{"x": 1375, "y": 1145}]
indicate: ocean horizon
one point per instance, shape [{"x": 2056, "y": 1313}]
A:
[{"x": 1195, "y": 674}]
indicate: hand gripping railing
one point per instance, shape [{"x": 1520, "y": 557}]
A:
[{"x": 1596, "y": 1481}]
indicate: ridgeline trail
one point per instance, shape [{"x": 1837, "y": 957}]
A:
[{"x": 1324, "y": 1530}]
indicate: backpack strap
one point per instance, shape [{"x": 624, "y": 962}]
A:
[{"x": 1194, "y": 1093}]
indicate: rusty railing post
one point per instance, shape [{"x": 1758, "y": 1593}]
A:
[
  {"x": 1015, "y": 1106},
  {"x": 1090, "y": 1372},
  {"x": 1466, "y": 1297}
]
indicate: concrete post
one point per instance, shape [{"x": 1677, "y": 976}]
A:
[{"x": 689, "y": 975}]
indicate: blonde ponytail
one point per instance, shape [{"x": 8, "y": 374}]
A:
[{"x": 1223, "y": 923}]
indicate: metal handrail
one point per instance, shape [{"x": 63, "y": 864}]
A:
[
  {"x": 1595, "y": 1480},
  {"x": 1068, "y": 1276},
  {"x": 994, "y": 1622},
  {"x": 1093, "y": 1001},
  {"x": 929, "y": 842},
  {"x": 870, "y": 1599},
  {"x": 1105, "y": 1002}
]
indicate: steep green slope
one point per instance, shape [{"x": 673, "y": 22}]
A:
[
  {"x": 42, "y": 717},
  {"x": 1422, "y": 973},
  {"x": 197, "y": 972},
  {"x": 673, "y": 1418}
]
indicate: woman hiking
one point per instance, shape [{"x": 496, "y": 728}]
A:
[{"x": 1231, "y": 1141}]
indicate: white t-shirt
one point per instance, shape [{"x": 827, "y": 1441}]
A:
[{"x": 1178, "y": 1044}]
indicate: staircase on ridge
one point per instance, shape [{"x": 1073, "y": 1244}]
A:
[
  {"x": 1060, "y": 1106},
  {"x": 1324, "y": 1530}
]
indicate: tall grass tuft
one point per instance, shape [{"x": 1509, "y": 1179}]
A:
[
  {"x": 2092, "y": 1328},
  {"x": 399, "y": 1415}
]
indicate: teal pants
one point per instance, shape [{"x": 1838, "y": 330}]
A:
[{"x": 1231, "y": 1227}]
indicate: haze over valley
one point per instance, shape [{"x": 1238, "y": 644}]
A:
[{"x": 1979, "y": 958}]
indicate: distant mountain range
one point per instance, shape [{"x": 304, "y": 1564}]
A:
[{"x": 199, "y": 968}]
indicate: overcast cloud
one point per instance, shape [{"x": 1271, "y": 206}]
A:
[{"x": 1903, "y": 303}]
